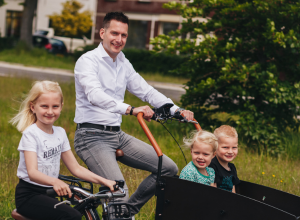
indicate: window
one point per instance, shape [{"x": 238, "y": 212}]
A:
[
  {"x": 137, "y": 34},
  {"x": 13, "y": 23},
  {"x": 169, "y": 26}
]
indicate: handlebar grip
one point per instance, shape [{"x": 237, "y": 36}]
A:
[
  {"x": 51, "y": 192},
  {"x": 119, "y": 184},
  {"x": 104, "y": 188},
  {"x": 154, "y": 117}
]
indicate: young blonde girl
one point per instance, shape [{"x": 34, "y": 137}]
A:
[
  {"x": 203, "y": 147},
  {"x": 41, "y": 147}
]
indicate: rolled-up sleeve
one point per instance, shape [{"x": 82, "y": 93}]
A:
[{"x": 86, "y": 70}]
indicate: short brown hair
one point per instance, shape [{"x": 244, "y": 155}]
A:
[
  {"x": 118, "y": 16},
  {"x": 225, "y": 131}
]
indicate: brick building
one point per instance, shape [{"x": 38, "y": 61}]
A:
[{"x": 147, "y": 19}]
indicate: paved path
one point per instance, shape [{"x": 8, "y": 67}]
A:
[{"x": 171, "y": 90}]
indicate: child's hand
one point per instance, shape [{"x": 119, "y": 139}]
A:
[
  {"x": 110, "y": 184},
  {"x": 61, "y": 188},
  {"x": 213, "y": 184}
]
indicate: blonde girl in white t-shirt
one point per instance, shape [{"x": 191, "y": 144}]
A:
[{"x": 41, "y": 147}]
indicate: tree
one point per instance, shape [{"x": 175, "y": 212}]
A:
[
  {"x": 71, "y": 23},
  {"x": 2, "y": 2},
  {"x": 26, "y": 23},
  {"x": 246, "y": 66}
]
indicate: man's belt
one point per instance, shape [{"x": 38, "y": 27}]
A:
[{"x": 101, "y": 127}]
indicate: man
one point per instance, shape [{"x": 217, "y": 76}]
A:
[{"x": 101, "y": 78}]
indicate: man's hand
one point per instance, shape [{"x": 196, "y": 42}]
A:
[
  {"x": 148, "y": 112},
  {"x": 189, "y": 115}
]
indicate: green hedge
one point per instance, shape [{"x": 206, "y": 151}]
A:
[
  {"x": 7, "y": 42},
  {"x": 77, "y": 53},
  {"x": 146, "y": 61}
]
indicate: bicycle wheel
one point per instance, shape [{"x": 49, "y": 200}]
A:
[{"x": 90, "y": 214}]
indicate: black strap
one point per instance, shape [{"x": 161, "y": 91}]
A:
[{"x": 131, "y": 111}]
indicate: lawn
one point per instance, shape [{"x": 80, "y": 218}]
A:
[{"x": 282, "y": 174}]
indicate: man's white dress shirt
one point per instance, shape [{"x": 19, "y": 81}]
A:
[{"x": 100, "y": 88}]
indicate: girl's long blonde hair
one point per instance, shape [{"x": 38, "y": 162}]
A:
[{"x": 26, "y": 117}]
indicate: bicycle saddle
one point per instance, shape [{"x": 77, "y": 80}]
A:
[
  {"x": 17, "y": 216},
  {"x": 119, "y": 154}
]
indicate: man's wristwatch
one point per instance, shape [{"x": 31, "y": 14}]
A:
[{"x": 131, "y": 111}]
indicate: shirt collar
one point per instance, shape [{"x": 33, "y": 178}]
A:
[
  {"x": 103, "y": 53},
  {"x": 199, "y": 171}
]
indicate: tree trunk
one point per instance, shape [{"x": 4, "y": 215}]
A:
[{"x": 27, "y": 19}]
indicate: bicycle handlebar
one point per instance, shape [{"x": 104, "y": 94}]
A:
[
  {"x": 100, "y": 195},
  {"x": 162, "y": 114}
]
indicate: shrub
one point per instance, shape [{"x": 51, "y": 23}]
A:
[
  {"x": 7, "y": 42},
  {"x": 249, "y": 67},
  {"x": 148, "y": 62},
  {"x": 82, "y": 50}
]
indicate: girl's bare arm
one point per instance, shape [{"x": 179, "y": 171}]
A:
[
  {"x": 83, "y": 173},
  {"x": 60, "y": 187}
]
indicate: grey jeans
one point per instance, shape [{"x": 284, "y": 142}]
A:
[{"x": 97, "y": 149}]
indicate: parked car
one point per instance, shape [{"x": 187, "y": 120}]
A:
[
  {"x": 52, "y": 45},
  {"x": 77, "y": 43}
]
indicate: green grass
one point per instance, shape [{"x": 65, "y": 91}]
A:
[
  {"x": 40, "y": 58},
  {"x": 250, "y": 166},
  {"x": 161, "y": 78}
]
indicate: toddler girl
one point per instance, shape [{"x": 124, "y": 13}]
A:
[
  {"x": 203, "y": 147},
  {"x": 41, "y": 147}
]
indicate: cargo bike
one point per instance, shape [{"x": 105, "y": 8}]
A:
[{"x": 185, "y": 200}]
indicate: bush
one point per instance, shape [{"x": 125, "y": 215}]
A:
[
  {"x": 148, "y": 62},
  {"x": 7, "y": 42},
  {"x": 249, "y": 68},
  {"x": 82, "y": 50}
]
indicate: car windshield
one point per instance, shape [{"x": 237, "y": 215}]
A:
[{"x": 41, "y": 32}]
